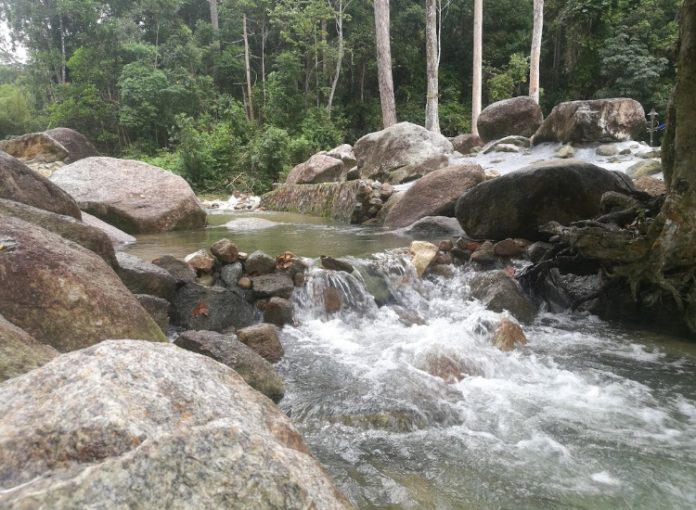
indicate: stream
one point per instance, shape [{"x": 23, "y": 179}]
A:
[{"x": 588, "y": 415}]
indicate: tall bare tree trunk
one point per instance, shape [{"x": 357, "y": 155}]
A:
[
  {"x": 339, "y": 57},
  {"x": 248, "y": 68},
  {"x": 536, "y": 50},
  {"x": 478, "y": 51},
  {"x": 214, "y": 21},
  {"x": 432, "y": 57},
  {"x": 384, "y": 64},
  {"x": 63, "y": 60},
  {"x": 264, "y": 38}
]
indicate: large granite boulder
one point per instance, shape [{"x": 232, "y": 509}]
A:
[
  {"x": 55, "y": 145},
  {"x": 128, "y": 424},
  {"x": 143, "y": 277},
  {"x": 76, "y": 144},
  {"x": 402, "y": 152},
  {"x": 65, "y": 226},
  {"x": 516, "y": 204},
  {"x": 434, "y": 194},
  {"x": 318, "y": 168},
  {"x": 466, "y": 143},
  {"x": 20, "y": 352},
  {"x": 227, "y": 349},
  {"x": 211, "y": 308},
  {"x": 131, "y": 195},
  {"x": 515, "y": 116},
  {"x": 118, "y": 237},
  {"x": 20, "y": 183},
  {"x": 598, "y": 120},
  {"x": 63, "y": 294}
]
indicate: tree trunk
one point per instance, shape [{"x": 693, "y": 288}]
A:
[
  {"x": 384, "y": 64},
  {"x": 478, "y": 50},
  {"x": 264, "y": 37},
  {"x": 247, "y": 65},
  {"x": 536, "y": 50},
  {"x": 339, "y": 56},
  {"x": 63, "y": 60},
  {"x": 214, "y": 21},
  {"x": 432, "y": 121}
]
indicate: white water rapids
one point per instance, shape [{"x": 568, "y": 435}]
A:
[{"x": 585, "y": 416}]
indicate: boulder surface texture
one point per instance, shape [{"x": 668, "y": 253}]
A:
[
  {"x": 20, "y": 352},
  {"x": 129, "y": 424},
  {"x": 515, "y": 116},
  {"x": 63, "y": 294},
  {"x": 318, "y": 168},
  {"x": 401, "y": 152},
  {"x": 133, "y": 196},
  {"x": 20, "y": 183},
  {"x": 516, "y": 204},
  {"x": 598, "y": 120}
]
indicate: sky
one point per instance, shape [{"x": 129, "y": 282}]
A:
[{"x": 20, "y": 53}]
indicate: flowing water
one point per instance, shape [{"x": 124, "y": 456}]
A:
[{"x": 588, "y": 415}]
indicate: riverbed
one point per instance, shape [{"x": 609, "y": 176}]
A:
[{"x": 588, "y": 415}]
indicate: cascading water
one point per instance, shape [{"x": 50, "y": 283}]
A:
[{"x": 585, "y": 416}]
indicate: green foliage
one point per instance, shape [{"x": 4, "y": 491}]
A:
[
  {"x": 503, "y": 83},
  {"x": 15, "y": 110}
]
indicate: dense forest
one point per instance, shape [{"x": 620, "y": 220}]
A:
[{"x": 232, "y": 93}]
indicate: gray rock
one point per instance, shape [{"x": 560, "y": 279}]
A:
[
  {"x": 434, "y": 227},
  {"x": 597, "y": 120},
  {"x": 66, "y": 227},
  {"x": 180, "y": 270},
  {"x": 465, "y": 143},
  {"x": 158, "y": 309},
  {"x": 345, "y": 153},
  {"x": 515, "y": 116},
  {"x": 225, "y": 251},
  {"x": 258, "y": 263},
  {"x": 129, "y": 424},
  {"x": 63, "y": 294},
  {"x": 131, "y": 195},
  {"x": 644, "y": 168},
  {"x": 142, "y": 277},
  {"x": 117, "y": 236},
  {"x": 279, "y": 311},
  {"x": 537, "y": 250},
  {"x": 516, "y": 204},
  {"x": 211, "y": 308},
  {"x": 20, "y": 183},
  {"x": 273, "y": 284},
  {"x": 608, "y": 149},
  {"x": 401, "y": 152},
  {"x": 20, "y": 352},
  {"x": 256, "y": 371},
  {"x": 500, "y": 292},
  {"x": 318, "y": 168},
  {"x": 512, "y": 143},
  {"x": 250, "y": 224},
  {"x": 264, "y": 340},
  {"x": 565, "y": 152},
  {"x": 231, "y": 273}
]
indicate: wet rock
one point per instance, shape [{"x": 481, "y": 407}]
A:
[
  {"x": 245, "y": 283},
  {"x": 434, "y": 194},
  {"x": 431, "y": 227},
  {"x": 143, "y": 277},
  {"x": 65, "y": 226},
  {"x": 20, "y": 352},
  {"x": 143, "y": 425},
  {"x": 500, "y": 292},
  {"x": 211, "y": 308},
  {"x": 516, "y": 116},
  {"x": 509, "y": 248},
  {"x": 180, "y": 270},
  {"x": 466, "y": 143},
  {"x": 207, "y": 280},
  {"x": 335, "y": 264},
  {"x": 608, "y": 149},
  {"x": 258, "y": 263},
  {"x": 516, "y": 204},
  {"x": 231, "y": 273},
  {"x": 333, "y": 302},
  {"x": 537, "y": 250},
  {"x": 21, "y": 184},
  {"x": 446, "y": 245},
  {"x": 422, "y": 253},
  {"x": 279, "y": 311},
  {"x": 131, "y": 195},
  {"x": 318, "y": 168},
  {"x": 597, "y": 120},
  {"x": 250, "y": 224},
  {"x": 401, "y": 152},
  {"x": 63, "y": 294},
  {"x": 448, "y": 367},
  {"x": 508, "y": 335},
  {"x": 273, "y": 284},
  {"x": 442, "y": 267},
  {"x": 117, "y": 236},
  {"x": 565, "y": 152},
  {"x": 345, "y": 153},
  {"x": 158, "y": 309},
  {"x": 264, "y": 340},
  {"x": 388, "y": 205},
  {"x": 613, "y": 201},
  {"x": 225, "y": 251},
  {"x": 226, "y": 349},
  {"x": 650, "y": 185},
  {"x": 201, "y": 262},
  {"x": 644, "y": 168},
  {"x": 484, "y": 254}
]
